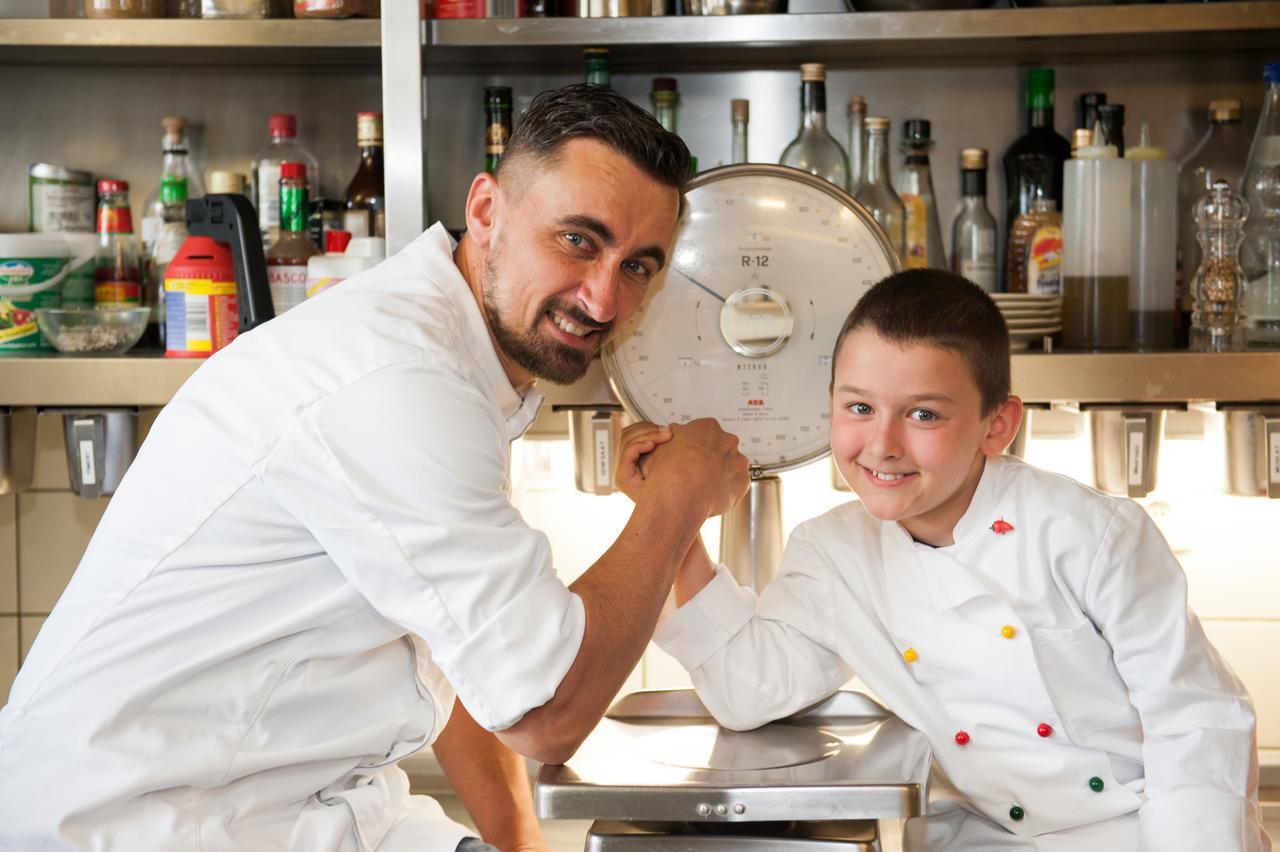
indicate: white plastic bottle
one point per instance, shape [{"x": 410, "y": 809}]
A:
[{"x": 343, "y": 258}]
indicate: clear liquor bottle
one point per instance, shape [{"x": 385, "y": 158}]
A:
[
  {"x": 364, "y": 201},
  {"x": 915, "y": 188},
  {"x": 265, "y": 172},
  {"x": 1258, "y": 255},
  {"x": 973, "y": 233},
  {"x": 1219, "y": 155},
  {"x": 173, "y": 233},
  {"x": 740, "y": 111},
  {"x": 814, "y": 149},
  {"x": 1033, "y": 164},
  {"x": 287, "y": 257},
  {"x": 176, "y": 163},
  {"x": 877, "y": 194},
  {"x": 857, "y": 143}
]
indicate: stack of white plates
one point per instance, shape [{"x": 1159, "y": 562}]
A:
[{"x": 1029, "y": 317}]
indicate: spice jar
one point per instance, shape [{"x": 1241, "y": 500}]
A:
[
  {"x": 337, "y": 8},
  {"x": 124, "y": 8},
  {"x": 231, "y": 9}
]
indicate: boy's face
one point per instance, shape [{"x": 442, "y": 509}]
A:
[{"x": 908, "y": 433}]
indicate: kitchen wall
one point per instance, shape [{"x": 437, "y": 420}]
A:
[{"x": 1226, "y": 544}]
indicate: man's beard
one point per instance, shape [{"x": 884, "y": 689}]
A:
[{"x": 540, "y": 355}]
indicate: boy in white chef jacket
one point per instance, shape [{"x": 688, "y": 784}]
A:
[{"x": 1034, "y": 629}]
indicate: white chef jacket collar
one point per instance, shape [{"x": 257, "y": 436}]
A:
[
  {"x": 950, "y": 584},
  {"x": 519, "y": 410}
]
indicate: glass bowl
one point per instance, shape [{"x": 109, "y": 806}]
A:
[{"x": 90, "y": 331}]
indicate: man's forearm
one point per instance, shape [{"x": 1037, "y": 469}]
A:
[{"x": 490, "y": 780}]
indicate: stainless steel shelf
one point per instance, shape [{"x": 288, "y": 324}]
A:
[
  {"x": 194, "y": 42},
  {"x": 985, "y": 36},
  {"x": 1236, "y": 377},
  {"x": 61, "y": 380}
]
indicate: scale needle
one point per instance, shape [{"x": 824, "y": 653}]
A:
[{"x": 697, "y": 283}]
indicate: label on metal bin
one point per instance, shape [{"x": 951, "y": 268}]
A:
[
  {"x": 88, "y": 472},
  {"x": 1137, "y": 443}
]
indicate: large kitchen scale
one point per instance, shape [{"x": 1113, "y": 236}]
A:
[{"x": 767, "y": 263}]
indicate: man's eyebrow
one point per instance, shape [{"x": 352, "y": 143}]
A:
[{"x": 606, "y": 236}]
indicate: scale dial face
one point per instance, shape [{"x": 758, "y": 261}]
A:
[{"x": 767, "y": 263}]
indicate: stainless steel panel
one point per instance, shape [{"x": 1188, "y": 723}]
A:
[
  {"x": 830, "y": 836},
  {"x": 404, "y": 111},
  {"x": 660, "y": 757}
]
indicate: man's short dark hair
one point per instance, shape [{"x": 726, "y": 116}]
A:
[
  {"x": 588, "y": 111},
  {"x": 936, "y": 308}
]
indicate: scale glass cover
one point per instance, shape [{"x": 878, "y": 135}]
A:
[{"x": 767, "y": 263}]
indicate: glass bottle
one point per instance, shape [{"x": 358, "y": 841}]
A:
[
  {"x": 1035, "y": 251},
  {"x": 915, "y": 188},
  {"x": 740, "y": 110},
  {"x": 365, "y": 199},
  {"x": 173, "y": 233},
  {"x": 973, "y": 233},
  {"x": 1219, "y": 155},
  {"x": 814, "y": 149},
  {"x": 117, "y": 277},
  {"x": 1262, "y": 298},
  {"x": 877, "y": 194},
  {"x": 1033, "y": 164},
  {"x": 666, "y": 97},
  {"x": 1220, "y": 218},
  {"x": 265, "y": 172},
  {"x": 1087, "y": 109},
  {"x": 1111, "y": 119},
  {"x": 595, "y": 66},
  {"x": 857, "y": 142},
  {"x": 287, "y": 257},
  {"x": 176, "y": 163},
  {"x": 497, "y": 107}
]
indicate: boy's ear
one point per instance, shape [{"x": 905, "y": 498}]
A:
[{"x": 1003, "y": 426}]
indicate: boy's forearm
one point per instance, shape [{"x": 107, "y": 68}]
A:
[
  {"x": 695, "y": 572},
  {"x": 490, "y": 781}
]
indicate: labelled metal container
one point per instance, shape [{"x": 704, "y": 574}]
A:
[
  {"x": 101, "y": 443},
  {"x": 596, "y": 434},
  {"x": 59, "y": 199},
  {"x": 1253, "y": 452},
  {"x": 1126, "y": 448}
]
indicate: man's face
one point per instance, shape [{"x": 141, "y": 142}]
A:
[
  {"x": 573, "y": 249},
  {"x": 907, "y": 432}
]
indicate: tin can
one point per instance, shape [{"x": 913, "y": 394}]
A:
[{"x": 59, "y": 199}]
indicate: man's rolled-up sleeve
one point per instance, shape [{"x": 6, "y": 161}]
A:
[{"x": 401, "y": 477}]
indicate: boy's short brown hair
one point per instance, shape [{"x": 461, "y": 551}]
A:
[{"x": 941, "y": 309}]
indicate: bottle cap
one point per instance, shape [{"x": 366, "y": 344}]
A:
[
  {"x": 602, "y": 52},
  {"x": 1081, "y": 137},
  {"x": 111, "y": 185},
  {"x": 1111, "y": 114},
  {"x": 1087, "y": 108},
  {"x": 877, "y": 122},
  {"x": 813, "y": 72},
  {"x": 1271, "y": 73},
  {"x": 664, "y": 84},
  {"x": 857, "y": 105},
  {"x": 1040, "y": 88},
  {"x": 973, "y": 159},
  {"x": 1096, "y": 152},
  {"x": 916, "y": 130},
  {"x": 226, "y": 183},
  {"x": 173, "y": 189},
  {"x": 335, "y": 242},
  {"x": 174, "y": 125},
  {"x": 293, "y": 170},
  {"x": 741, "y": 109},
  {"x": 283, "y": 124},
  {"x": 1144, "y": 150},
  {"x": 497, "y": 97},
  {"x": 368, "y": 129},
  {"x": 1225, "y": 110}
]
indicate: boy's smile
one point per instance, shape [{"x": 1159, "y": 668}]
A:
[{"x": 908, "y": 432}]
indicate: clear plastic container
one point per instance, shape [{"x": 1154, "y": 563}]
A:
[
  {"x": 124, "y": 8},
  {"x": 232, "y": 9},
  {"x": 337, "y": 8},
  {"x": 1095, "y": 247},
  {"x": 1153, "y": 254}
]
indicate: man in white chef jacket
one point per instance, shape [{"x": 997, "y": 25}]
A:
[
  {"x": 315, "y": 549},
  {"x": 1035, "y": 630}
]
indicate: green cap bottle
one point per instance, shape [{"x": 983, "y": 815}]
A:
[
  {"x": 1040, "y": 88},
  {"x": 173, "y": 189}
]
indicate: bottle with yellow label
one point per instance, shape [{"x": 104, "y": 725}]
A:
[
  {"x": 915, "y": 188},
  {"x": 1035, "y": 250}
]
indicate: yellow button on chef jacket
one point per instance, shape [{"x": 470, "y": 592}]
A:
[
  {"x": 313, "y": 549},
  {"x": 1106, "y": 722}
]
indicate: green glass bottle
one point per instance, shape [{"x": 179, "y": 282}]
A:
[{"x": 497, "y": 107}]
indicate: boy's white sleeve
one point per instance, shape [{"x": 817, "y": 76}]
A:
[
  {"x": 1199, "y": 729},
  {"x": 757, "y": 660}
]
